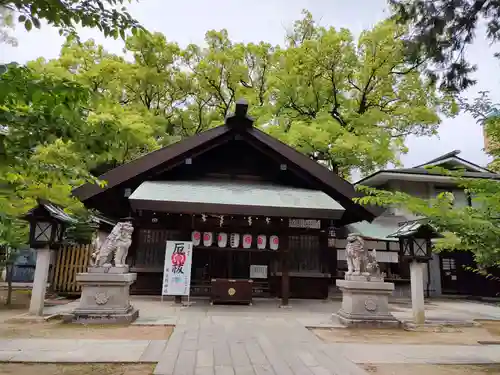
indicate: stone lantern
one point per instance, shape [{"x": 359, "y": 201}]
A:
[
  {"x": 47, "y": 225},
  {"x": 415, "y": 246}
]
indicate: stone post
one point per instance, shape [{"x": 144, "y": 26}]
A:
[
  {"x": 417, "y": 291},
  {"x": 40, "y": 281}
]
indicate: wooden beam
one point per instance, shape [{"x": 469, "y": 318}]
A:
[
  {"x": 312, "y": 184},
  {"x": 192, "y": 154},
  {"x": 285, "y": 271}
]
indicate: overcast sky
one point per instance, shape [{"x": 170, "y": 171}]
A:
[{"x": 252, "y": 21}]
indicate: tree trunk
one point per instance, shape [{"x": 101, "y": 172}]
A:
[{"x": 9, "y": 267}]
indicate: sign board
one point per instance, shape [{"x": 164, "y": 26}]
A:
[
  {"x": 258, "y": 271},
  {"x": 177, "y": 268},
  {"x": 304, "y": 223}
]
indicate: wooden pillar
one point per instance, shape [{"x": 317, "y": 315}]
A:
[{"x": 285, "y": 271}]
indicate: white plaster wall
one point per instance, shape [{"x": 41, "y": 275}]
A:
[{"x": 416, "y": 189}]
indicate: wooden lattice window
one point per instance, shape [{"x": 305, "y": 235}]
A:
[
  {"x": 151, "y": 243},
  {"x": 305, "y": 253}
]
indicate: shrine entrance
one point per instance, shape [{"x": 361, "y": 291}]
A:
[{"x": 233, "y": 180}]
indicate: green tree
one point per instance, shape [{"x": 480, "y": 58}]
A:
[
  {"x": 67, "y": 14},
  {"x": 475, "y": 228},
  {"x": 351, "y": 103},
  {"x": 441, "y": 32},
  {"x": 57, "y": 131},
  {"x": 6, "y": 27},
  {"x": 348, "y": 103},
  {"x": 54, "y": 129}
]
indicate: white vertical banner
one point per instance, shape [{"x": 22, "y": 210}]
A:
[{"x": 177, "y": 268}]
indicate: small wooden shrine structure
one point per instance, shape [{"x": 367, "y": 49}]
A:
[{"x": 254, "y": 207}]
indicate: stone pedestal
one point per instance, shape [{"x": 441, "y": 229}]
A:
[
  {"x": 105, "y": 296},
  {"x": 366, "y": 303}
]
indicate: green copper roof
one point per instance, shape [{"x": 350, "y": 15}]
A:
[
  {"x": 374, "y": 231},
  {"x": 239, "y": 193}
]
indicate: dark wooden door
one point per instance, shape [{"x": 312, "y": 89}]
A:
[
  {"x": 449, "y": 275},
  {"x": 219, "y": 265},
  {"x": 239, "y": 264}
]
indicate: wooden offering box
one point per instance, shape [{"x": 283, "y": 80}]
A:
[{"x": 231, "y": 291}]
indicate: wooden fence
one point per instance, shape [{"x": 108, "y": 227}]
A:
[{"x": 70, "y": 260}]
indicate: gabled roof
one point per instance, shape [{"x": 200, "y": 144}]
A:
[
  {"x": 147, "y": 162},
  {"x": 237, "y": 125},
  {"x": 422, "y": 173},
  {"x": 453, "y": 159}
]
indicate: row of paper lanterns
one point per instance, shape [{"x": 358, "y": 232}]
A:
[{"x": 234, "y": 240}]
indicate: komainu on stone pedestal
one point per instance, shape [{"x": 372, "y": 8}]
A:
[
  {"x": 105, "y": 296},
  {"x": 365, "y": 295},
  {"x": 106, "y": 287}
]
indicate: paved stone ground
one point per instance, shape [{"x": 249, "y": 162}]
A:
[
  {"x": 256, "y": 340},
  {"x": 406, "y": 353},
  {"x": 309, "y": 313},
  {"x": 234, "y": 340},
  {"x": 81, "y": 351},
  {"x": 250, "y": 346}
]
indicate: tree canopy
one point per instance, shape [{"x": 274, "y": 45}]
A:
[
  {"x": 343, "y": 101},
  {"x": 6, "y": 27},
  {"x": 474, "y": 228},
  {"x": 441, "y": 31},
  {"x": 67, "y": 14}
]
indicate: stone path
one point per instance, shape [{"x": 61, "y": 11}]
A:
[
  {"x": 266, "y": 340},
  {"x": 302, "y": 357},
  {"x": 81, "y": 351},
  {"x": 222, "y": 345},
  {"x": 249, "y": 346},
  {"x": 438, "y": 354}
]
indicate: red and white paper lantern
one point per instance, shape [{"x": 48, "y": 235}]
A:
[
  {"x": 196, "y": 238},
  {"x": 208, "y": 238},
  {"x": 261, "y": 241},
  {"x": 247, "y": 241},
  {"x": 234, "y": 240},
  {"x": 222, "y": 240},
  {"x": 274, "y": 242}
]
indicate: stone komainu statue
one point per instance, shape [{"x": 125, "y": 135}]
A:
[
  {"x": 356, "y": 255},
  {"x": 372, "y": 266},
  {"x": 116, "y": 246}
]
